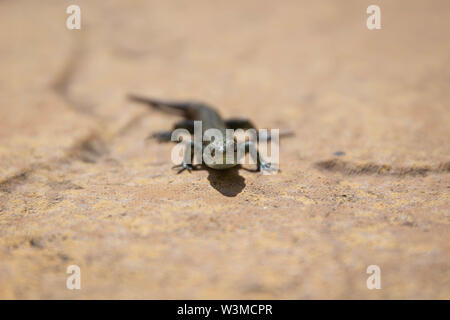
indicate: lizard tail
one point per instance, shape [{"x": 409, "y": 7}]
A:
[{"x": 178, "y": 108}]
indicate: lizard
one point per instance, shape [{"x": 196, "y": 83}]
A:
[{"x": 198, "y": 111}]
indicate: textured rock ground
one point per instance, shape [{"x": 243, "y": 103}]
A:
[{"x": 80, "y": 185}]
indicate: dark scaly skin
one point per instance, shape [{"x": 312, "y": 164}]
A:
[{"x": 197, "y": 111}]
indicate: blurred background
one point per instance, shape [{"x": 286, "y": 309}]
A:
[{"x": 364, "y": 181}]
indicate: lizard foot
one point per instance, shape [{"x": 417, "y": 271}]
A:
[
  {"x": 267, "y": 167},
  {"x": 184, "y": 166}
]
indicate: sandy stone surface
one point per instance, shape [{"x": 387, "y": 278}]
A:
[{"x": 79, "y": 184}]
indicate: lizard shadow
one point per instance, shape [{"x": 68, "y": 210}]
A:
[{"x": 227, "y": 182}]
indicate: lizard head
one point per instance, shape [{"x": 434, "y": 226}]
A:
[{"x": 221, "y": 162}]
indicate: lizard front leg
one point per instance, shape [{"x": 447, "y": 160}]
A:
[
  {"x": 261, "y": 165},
  {"x": 187, "y": 159}
]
